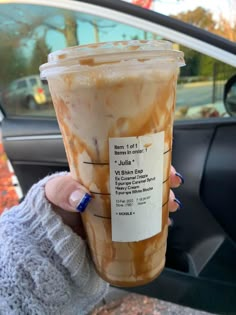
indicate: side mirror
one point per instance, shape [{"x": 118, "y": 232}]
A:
[{"x": 230, "y": 96}]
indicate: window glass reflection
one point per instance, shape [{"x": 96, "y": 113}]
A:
[{"x": 30, "y": 32}]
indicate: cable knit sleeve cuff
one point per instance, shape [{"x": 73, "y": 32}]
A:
[{"x": 37, "y": 213}]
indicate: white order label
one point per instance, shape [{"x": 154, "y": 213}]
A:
[{"x": 136, "y": 179}]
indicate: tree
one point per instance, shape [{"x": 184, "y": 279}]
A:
[
  {"x": 14, "y": 63},
  {"x": 196, "y": 63},
  {"x": 27, "y": 22},
  {"x": 69, "y": 29},
  {"x": 199, "y": 17},
  {"x": 226, "y": 25},
  {"x": 39, "y": 55},
  {"x": 25, "y": 32},
  {"x": 226, "y": 28}
]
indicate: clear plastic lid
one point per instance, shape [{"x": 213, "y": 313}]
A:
[{"x": 95, "y": 55}]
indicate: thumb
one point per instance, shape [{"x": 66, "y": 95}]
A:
[{"x": 67, "y": 193}]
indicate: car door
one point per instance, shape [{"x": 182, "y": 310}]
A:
[{"x": 201, "y": 256}]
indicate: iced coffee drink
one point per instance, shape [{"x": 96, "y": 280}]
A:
[{"x": 114, "y": 103}]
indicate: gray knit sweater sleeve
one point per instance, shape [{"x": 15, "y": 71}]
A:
[{"x": 44, "y": 266}]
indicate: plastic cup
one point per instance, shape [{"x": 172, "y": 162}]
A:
[{"x": 115, "y": 106}]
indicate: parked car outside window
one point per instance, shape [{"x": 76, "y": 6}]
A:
[{"x": 28, "y": 93}]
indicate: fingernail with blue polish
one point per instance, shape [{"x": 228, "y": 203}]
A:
[
  {"x": 178, "y": 203},
  {"x": 83, "y": 203},
  {"x": 79, "y": 200},
  {"x": 180, "y": 176}
]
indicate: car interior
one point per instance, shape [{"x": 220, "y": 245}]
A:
[{"x": 201, "y": 253}]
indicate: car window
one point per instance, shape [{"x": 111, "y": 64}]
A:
[
  {"x": 21, "y": 84},
  {"x": 30, "y": 32},
  {"x": 33, "y": 82}
]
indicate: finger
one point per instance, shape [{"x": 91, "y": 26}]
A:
[
  {"x": 176, "y": 179},
  {"x": 174, "y": 204},
  {"x": 170, "y": 222},
  {"x": 68, "y": 194}
]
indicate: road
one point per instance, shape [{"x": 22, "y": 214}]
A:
[
  {"x": 191, "y": 95},
  {"x": 196, "y": 94}
]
